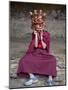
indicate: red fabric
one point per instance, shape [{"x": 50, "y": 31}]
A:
[
  {"x": 40, "y": 45},
  {"x": 46, "y": 39},
  {"x": 38, "y": 61}
]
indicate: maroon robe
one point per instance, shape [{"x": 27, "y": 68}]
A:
[{"x": 38, "y": 60}]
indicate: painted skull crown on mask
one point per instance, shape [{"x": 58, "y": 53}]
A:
[{"x": 38, "y": 22}]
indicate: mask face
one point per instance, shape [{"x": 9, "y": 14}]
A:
[
  {"x": 38, "y": 23},
  {"x": 39, "y": 27}
]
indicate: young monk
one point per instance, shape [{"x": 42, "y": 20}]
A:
[{"x": 38, "y": 59}]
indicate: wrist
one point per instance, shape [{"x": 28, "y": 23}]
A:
[{"x": 43, "y": 44}]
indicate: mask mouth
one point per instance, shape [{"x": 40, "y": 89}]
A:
[{"x": 39, "y": 29}]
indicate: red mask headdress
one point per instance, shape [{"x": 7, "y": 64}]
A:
[{"x": 37, "y": 18}]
